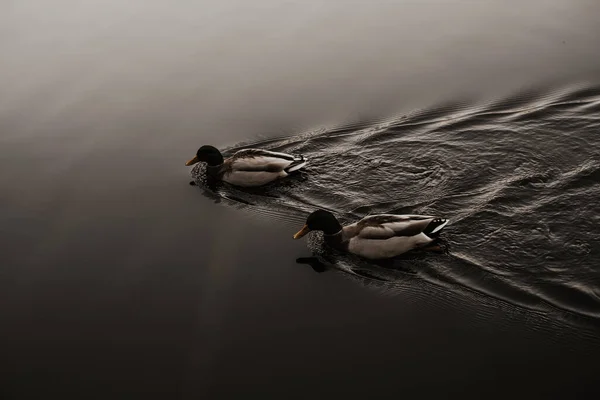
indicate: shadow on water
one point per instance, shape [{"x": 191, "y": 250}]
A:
[{"x": 515, "y": 176}]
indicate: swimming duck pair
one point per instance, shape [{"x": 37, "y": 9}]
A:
[{"x": 374, "y": 237}]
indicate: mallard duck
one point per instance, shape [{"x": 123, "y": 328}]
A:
[
  {"x": 376, "y": 236},
  {"x": 248, "y": 167}
]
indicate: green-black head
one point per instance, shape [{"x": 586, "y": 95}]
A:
[
  {"x": 208, "y": 154},
  {"x": 320, "y": 220}
]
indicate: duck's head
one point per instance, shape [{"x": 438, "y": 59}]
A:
[
  {"x": 208, "y": 154},
  {"x": 320, "y": 220}
]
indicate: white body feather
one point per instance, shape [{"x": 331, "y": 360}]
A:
[
  {"x": 248, "y": 169},
  {"x": 392, "y": 247},
  {"x": 399, "y": 234},
  {"x": 252, "y": 178}
]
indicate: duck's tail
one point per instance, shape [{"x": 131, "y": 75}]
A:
[
  {"x": 299, "y": 162},
  {"x": 435, "y": 226}
]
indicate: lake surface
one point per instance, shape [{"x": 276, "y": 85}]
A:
[{"x": 120, "y": 280}]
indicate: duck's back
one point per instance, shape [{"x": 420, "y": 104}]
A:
[
  {"x": 257, "y": 167},
  {"x": 388, "y": 235},
  {"x": 260, "y": 160}
]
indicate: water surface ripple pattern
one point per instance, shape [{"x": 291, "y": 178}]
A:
[{"x": 519, "y": 179}]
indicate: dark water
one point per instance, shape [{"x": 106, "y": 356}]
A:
[{"x": 119, "y": 280}]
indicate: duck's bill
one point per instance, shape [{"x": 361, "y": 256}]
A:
[
  {"x": 302, "y": 232},
  {"x": 192, "y": 161}
]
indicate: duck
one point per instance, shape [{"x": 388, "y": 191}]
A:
[
  {"x": 378, "y": 236},
  {"x": 248, "y": 167}
]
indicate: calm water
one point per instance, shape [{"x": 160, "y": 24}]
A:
[{"x": 119, "y": 280}]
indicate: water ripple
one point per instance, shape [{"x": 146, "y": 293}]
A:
[{"x": 518, "y": 177}]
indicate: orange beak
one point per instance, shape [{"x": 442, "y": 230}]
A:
[
  {"x": 305, "y": 229},
  {"x": 192, "y": 161}
]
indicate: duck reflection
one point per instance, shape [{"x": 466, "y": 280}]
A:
[{"x": 385, "y": 270}]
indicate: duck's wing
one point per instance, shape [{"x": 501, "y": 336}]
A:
[
  {"x": 386, "y": 226},
  {"x": 265, "y": 161}
]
